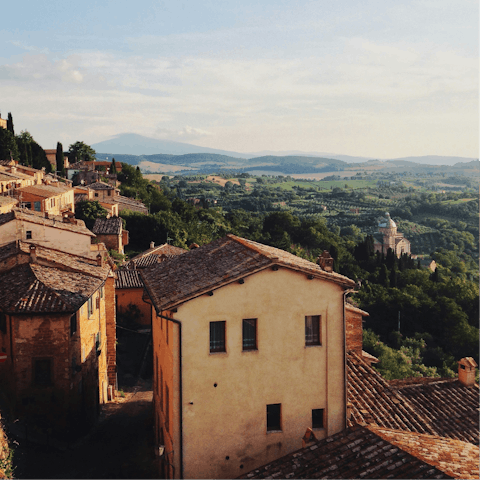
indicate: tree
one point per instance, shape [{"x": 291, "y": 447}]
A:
[
  {"x": 89, "y": 211},
  {"x": 113, "y": 168},
  {"x": 81, "y": 152},
  {"x": 10, "y": 124},
  {"x": 8, "y": 146},
  {"x": 60, "y": 160}
]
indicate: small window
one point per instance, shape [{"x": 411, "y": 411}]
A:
[
  {"x": 28, "y": 235},
  {"x": 317, "y": 418},
  {"x": 217, "y": 336},
  {"x": 3, "y": 322},
  {"x": 43, "y": 371},
  {"x": 90, "y": 307},
  {"x": 73, "y": 324},
  {"x": 249, "y": 330},
  {"x": 36, "y": 206},
  {"x": 96, "y": 194},
  {"x": 312, "y": 330},
  {"x": 274, "y": 417}
]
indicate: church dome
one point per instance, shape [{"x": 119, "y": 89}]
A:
[{"x": 387, "y": 222}]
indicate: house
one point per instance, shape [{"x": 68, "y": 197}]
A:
[
  {"x": 110, "y": 232},
  {"x": 127, "y": 203},
  {"x": 57, "y": 329},
  {"x": 9, "y": 181},
  {"x": 3, "y": 122},
  {"x": 7, "y": 204},
  {"x": 83, "y": 194},
  {"x": 388, "y": 237},
  {"x": 102, "y": 191},
  {"x": 249, "y": 351},
  {"x": 54, "y": 200},
  {"x": 129, "y": 286},
  {"x": 58, "y": 232},
  {"x": 52, "y": 158},
  {"x": 367, "y": 451}
]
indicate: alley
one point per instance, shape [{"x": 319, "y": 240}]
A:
[{"x": 121, "y": 446}]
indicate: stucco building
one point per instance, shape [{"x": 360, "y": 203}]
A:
[
  {"x": 57, "y": 329},
  {"x": 110, "y": 232},
  {"x": 388, "y": 237},
  {"x": 249, "y": 351},
  {"x": 54, "y": 200}
]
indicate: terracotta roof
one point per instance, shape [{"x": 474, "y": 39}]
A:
[
  {"x": 128, "y": 279},
  {"x": 453, "y": 457},
  {"x": 352, "y": 308},
  {"x": 374, "y": 401},
  {"x": 450, "y": 408},
  {"x": 468, "y": 362},
  {"x": 440, "y": 407},
  {"x": 221, "y": 262},
  {"x": 7, "y": 200},
  {"x": 164, "y": 249},
  {"x": 108, "y": 226},
  {"x": 369, "y": 358},
  {"x": 100, "y": 186},
  {"x": 45, "y": 191},
  {"x": 34, "y": 288},
  {"x": 143, "y": 262},
  {"x": 355, "y": 452},
  {"x": 39, "y": 218},
  {"x": 126, "y": 203},
  {"x": 55, "y": 258}
]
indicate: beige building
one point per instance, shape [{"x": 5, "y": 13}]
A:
[
  {"x": 54, "y": 200},
  {"x": 60, "y": 233},
  {"x": 388, "y": 237},
  {"x": 249, "y": 352}
]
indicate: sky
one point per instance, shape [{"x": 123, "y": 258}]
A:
[{"x": 374, "y": 78}]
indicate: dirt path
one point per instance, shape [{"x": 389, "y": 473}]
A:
[{"x": 121, "y": 446}]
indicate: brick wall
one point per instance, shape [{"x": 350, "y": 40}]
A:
[
  {"x": 354, "y": 330},
  {"x": 111, "y": 331}
]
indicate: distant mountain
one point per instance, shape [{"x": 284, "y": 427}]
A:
[
  {"x": 140, "y": 146},
  {"x": 133, "y": 144}
]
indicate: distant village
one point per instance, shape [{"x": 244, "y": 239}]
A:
[{"x": 257, "y": 358}]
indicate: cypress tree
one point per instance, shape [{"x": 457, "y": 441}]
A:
[
  {"x": 113, "y": 168},
  {"x": 60, "y": 160},
  {"x": 10, "y": 123}
]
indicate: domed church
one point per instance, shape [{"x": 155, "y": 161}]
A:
[{"x": 388, "y": 237}]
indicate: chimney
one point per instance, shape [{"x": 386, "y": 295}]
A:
[
  {"x": 33, "y": 254},
  {"x": 46, "y": 214},
  {"x": 152, "y": 244},
  {"x": 308, "y": 438},
  {"x": 325, "y": 261},
  {"x": 99, "y": 260},
  {"x": 466, "y": 371},
  {"x": 194, "y": 245}
]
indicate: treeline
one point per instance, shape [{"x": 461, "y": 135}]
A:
[{"x": 437, "y": 310}]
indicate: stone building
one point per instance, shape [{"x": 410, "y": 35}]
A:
[
  {"x": 388, "y": 237},
  {"x": 110, "y": 232},
  {"x": 54, "y": 200},
  {"x": 57, "y": 329},
  {"x": 249, "y": 351}
]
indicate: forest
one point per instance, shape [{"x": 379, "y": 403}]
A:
[{"x": 421, "y": 322}]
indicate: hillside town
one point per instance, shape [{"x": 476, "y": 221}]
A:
[{"x": 256, "y": 354}]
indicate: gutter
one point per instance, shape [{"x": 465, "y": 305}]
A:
[{"x": 345, "y": 293}]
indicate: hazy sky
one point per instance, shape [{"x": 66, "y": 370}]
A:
[{"x": 373, "y": 78}]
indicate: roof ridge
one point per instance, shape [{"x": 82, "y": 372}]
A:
[{"x": 248, "y": 243}]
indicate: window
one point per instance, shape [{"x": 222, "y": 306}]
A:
[
  {"x": 90, "y": 307},
  {"x": 249, "y": 330},
  {"x": 274, "y": 417},
  {"x": 28, "y": 234},
  {"x": 312, "y": 330},
  {"x": 73, "y": 324},
  {"x": 217, "y": 337},
  {"x": 317, "y": 418},
  {"x": 36, "y": 206},
  {"x": 96, "y": 194},
  {"x": 43, "y": 371}
]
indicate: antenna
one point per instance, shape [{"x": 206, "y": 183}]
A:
[{"x": 168, "y": 238}]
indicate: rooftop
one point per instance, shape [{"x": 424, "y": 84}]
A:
[
  {"x": 45, "y": 191},
  {"x": 154, "y": 255},
  {"x": 39, "y": 218},
  {"x": 128, "y": 279},
  {"x": 219, "y": 263},
  {"x": 100, "y": 186},
  {"x": 356, "y": 452},
  {"x": 108, "y": 226}
]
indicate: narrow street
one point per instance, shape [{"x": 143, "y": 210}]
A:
[{"x": 120, "y": 446}]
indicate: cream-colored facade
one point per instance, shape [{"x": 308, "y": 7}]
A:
[
  {"x": 217, "y": 420},
  {"x": 48, "y": 232}
]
